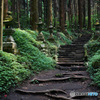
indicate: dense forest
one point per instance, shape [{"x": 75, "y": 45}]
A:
[{"x": 39, "y": 35}]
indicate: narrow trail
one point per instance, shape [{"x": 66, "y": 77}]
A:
[{"x": 70, "y": 75}]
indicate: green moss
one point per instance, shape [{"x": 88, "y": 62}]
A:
[
  {"x": 16, "y": 68},
  {"x": 27, "y": 47}
]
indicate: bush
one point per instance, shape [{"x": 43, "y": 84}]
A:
[
  {"x": 26, "y": 45},
  {"x": 11, "y": 72},
  {"x": 16, "y": 68},
  {"x": 93, "y": 47}
]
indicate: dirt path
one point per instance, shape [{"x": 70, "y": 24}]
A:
[{"x": 70, "y": 75}]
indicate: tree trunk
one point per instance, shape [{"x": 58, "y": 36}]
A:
[
  {"x": 55, "y": 8},
  {"x": 34, "y": 14},
  {"x": 5, "y": 8},
  {"x": 98, "y": 10},
  {"x": 24, "y": 5},
  {"x": 1, "y": 24},
  {"x": 49, "y": 12},
  {"x": 18, "y": 12},
  {"x": 84, "y": 13},
  {"x": 45, "y": 11},
  {"x": 62, "y": 14},
  {"x": 70, "y": 13},
  {"x": 80, "y": 13},
  {"x": 89, "y": 14},
  {"x": 76, "y": 12},
  {"x": 13, "y": 7},
  {"x": 40, "y": 8}
]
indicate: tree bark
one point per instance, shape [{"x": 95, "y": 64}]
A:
[
  {"x": 34, "y": 14},
  {"x": 76, "y": 11},
  {"x": 45, "y": 11},
  {"x": 18, "y": 13},
  {"x": 62, "y": 14},
  {"x": 1, "y": 24},
  {"x": 89, "y": 14},
  {"x": 55, "y": 8},
  {"x": 80, "y": 14},
  {"x": 84, "y": 13},
  {"x": 49, "y": 12},
  {"x": 13, "y": 7},
  {"x": 40, "y": 8},
  {"x": 98, "y": 10},
  {"x": 70, "y": 13},
  {"x": 5, "y": 8}
]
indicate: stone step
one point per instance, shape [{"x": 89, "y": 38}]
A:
[
  {"x": 64, "y": 56},
  {"x": 70, "y": 55},
  {"x": 70, "y": 52},
  {"x": 71, "y": 49},
  {"x": 70, "y": 63},
  {"x": 69, "y": 60},
  {"x": 73, "y": 68},
  {"x": 72, "y": 45}
]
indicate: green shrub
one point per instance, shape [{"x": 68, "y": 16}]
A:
[
  {"x": 11, "y": 72},
  {"x": 94, "y": 62},
  {"x": 16, "y": 68},
  {"x": 26, "y": 45}
]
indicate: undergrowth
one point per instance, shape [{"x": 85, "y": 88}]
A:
[
  {"x": 93, "y": 48},
  {"x": 16, "y": 68}
]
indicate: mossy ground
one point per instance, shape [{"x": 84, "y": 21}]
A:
[{"x": 16, "y": 68}]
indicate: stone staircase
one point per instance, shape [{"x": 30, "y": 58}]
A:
[{"x": 73, "y": 54}]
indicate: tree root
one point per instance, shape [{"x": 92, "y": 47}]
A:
[
  {"x": 59, "y": 97},
  {"x": 47, "y": 93},
  {"x": 58, "y": 79},
  {"x": 41, "y": 92}
]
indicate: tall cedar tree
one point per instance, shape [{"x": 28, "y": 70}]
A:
[
  {"x": 1, "y": 24},
  {"x": 84, "y": 12},
  {"x": 5, "y": 8},
  {"x": 89, "y": 14},
  {"x": 62, "y": 14},
  {"x": 70, "y": 12},
  {"x": 13, "y": 7},
  {"x": 18, "y": 13},
  {"x": 55, "y": 8},
  {"x": 76, "y": 11},
  {"x": 40, "y": 8},
  {"x": 34, "y": 14},
  {"x": 49, "y": 12},
  {"x": 45, "y": 11},
  {"x": 98, "y": 9},
  {"x": 80, "y": 13}
]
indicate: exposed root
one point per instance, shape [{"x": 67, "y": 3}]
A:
[
  {"x": 58, "y": 79},
  {"x": 41, "y": 92},
  {"x": 59, "y": 97}
]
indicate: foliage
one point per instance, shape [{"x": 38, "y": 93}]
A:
[
  {"x": 93, "y": 47},
  {"x": 26, "y": 45},
  {"x": 16, "y": 68},
  {"x": 60, "y": 38},
  {"x": 11, "y": 71}
]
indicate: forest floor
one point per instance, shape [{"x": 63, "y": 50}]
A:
[{"x": 57, "y": 84}]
